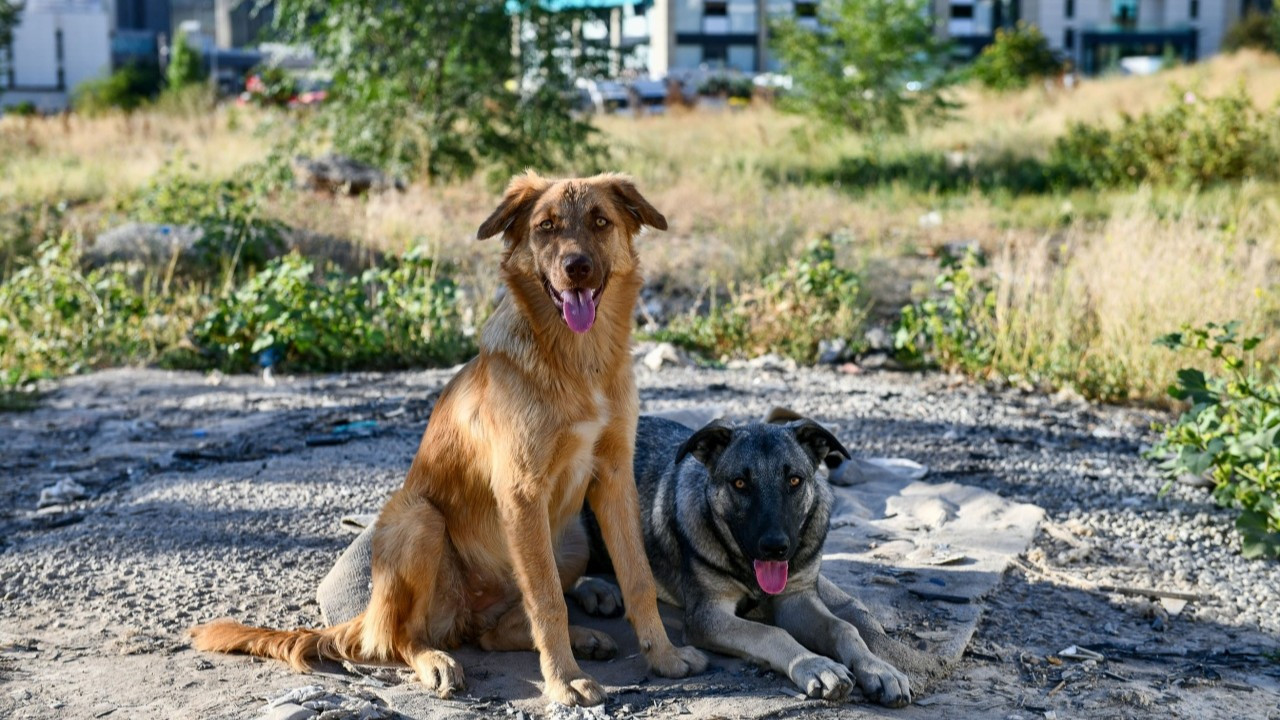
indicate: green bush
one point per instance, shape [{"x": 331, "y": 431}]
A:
[
  {"x": 956, "y": 330},
  {"x": 406, "y": 314},
  {"x": 1192, "y": 140},
  {"x": 1015, "y": 58},
  {"x": 184, "y": 64},
  {"x": 57, "y": 319},
  {"x": 125, "y": 89},
  {"x": 1256, "y": 30},
  {"x": 1231, "y": 432},
  {"x": 812, "y": 299},
  {"x": 237, "y": 234},
  {"x": 727, "y": 85},
  {"x": 26, "y": 108}
]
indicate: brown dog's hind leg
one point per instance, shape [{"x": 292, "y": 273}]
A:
[
  {"x": 407, "y": 617},
  {"x": 512, "y": 633}
]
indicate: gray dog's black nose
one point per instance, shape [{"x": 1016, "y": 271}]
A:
[
  {"x": 774, "y": 547},
  {"x": 577, "y": 267}
]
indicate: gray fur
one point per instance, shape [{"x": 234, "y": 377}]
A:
[{"x": 702, "y": 533}]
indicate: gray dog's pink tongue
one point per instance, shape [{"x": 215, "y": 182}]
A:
[
  {"x": 772, "y": 575},
  {"x": 579, "y": 309}
]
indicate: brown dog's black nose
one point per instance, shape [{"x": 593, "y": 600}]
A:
[{"x": 577, "y": 267}]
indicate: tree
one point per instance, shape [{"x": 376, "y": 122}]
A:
[
  {"x": 184, "y": 64},
  {"x": 871, "y": 66},
  {"x": 9, "y": 12},
  {"x": 438, "y": 88},
  {"x": 1256, "y": 30},
  {"x": 1015, "y": 58}
]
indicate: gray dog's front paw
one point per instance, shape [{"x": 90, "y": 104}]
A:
[
  {"x": 597, "y": 597},
  {"x": 884, "y": 683},
  {"x": 821, "y": 677}
]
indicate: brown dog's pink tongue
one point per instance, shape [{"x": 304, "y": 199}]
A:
[
  {"x": 772, "y": 575},
  {"x": 579, "y": 309}
]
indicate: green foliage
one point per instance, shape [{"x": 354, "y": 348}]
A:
[
  {"x": 1256, "y": 30},
  {"x": 444, "y": 94},
  {"x": 397, "y": 316},
  {"x": 955, "y": 330},
  {"x": 1192, "y": 140},
  {"x": 1231, "y": 432},
  {"x": 1015, "y": 58},
  {"x": 9, "y": 13},
  {"x": 26, "y": 108},
  {"x": 272, "y": 86},
  {"x": 813, "y": 298},
  {"x": 728, "y": 85},
  {"x": 872, "y": 67},
  {"x": 128, "y": 88},
  {"x": 237, "y": 235},
  {"x": 184, "y": 68},
  {"x": 56, "y": 318}
]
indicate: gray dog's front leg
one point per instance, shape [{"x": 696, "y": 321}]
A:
[
  {"x": 714, "y": 626},
  {"x": 808, "y": 619}
]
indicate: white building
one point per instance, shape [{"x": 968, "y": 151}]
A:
[{"x": 57, "y": 45}]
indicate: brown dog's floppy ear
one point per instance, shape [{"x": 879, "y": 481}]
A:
[
  {"x": 521, "y": 192},
  {"x": 818, "y": 441},
  {"x": 782, "y": 416},
  {"x": 706, "y": 444},
  {"x": 636, "y": 209}
]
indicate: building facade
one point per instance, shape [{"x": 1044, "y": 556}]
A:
[
  {"x": 57, "y": 45},
  {"x": 686, "y": 35}
]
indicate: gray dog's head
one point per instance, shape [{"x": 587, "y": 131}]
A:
[{"x": 762, "y": 487}]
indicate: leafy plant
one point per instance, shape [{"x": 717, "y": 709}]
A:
[
  {"x": 236, "y": 233},
  {"x": 1231, "y": 432},
  {"x": 812, "y": 299},
  {"x": 1191, "y": 140},
  {"x": 128, "y": 88},
  {"x": 1257, "y": 30},
  {"x": 184, "y": 64},
  {"x": 445, "y": 102},
  {"x": 872, "y": 66},
  {"x": 289, "y": 315},
  {"x": 955, "y": 331},
  {"x": 1015, "y": 58}
]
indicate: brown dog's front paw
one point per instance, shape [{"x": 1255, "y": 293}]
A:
[
  {"x": 439, "y": 672},
  {"x": 884, "y": 683},
  {"x": 591, "y": 644},
  {"x": 576, "y": 691},
  {"x": 677, "y": 662}
]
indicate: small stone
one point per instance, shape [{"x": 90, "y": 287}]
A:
[{"x": 289, "y": 711}]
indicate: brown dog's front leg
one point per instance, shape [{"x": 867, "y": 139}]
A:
[
  {"x": 614, "y": 500},
  {"x": 528, "y": 530}
]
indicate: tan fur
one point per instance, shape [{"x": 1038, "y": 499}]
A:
[{"x": 540, "y": 420}]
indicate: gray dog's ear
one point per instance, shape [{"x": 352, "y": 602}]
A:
[
  {"x": 706, "y": 444},
  {"x": 821, "y": 445},
  {"x": 517, "y": 201}
]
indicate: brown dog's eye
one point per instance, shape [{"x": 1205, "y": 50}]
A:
[
  {"x": 546, "y": 225},
  {"x": 740, "y": 483},
  {"x": 794, "y": 481},
  {"x": 601, "y": 222}
]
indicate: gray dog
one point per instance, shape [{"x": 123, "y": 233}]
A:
[{"x": 734, "y": 522}]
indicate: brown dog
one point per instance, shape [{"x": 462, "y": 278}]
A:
[{"x": 542, "y": 418}]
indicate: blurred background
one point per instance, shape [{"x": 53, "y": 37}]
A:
[{"x": 1031, "y": 193}]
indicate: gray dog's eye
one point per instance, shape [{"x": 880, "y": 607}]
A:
[
  {"x": 740, "y": 483},
  {"x": 795, "y": 481}
]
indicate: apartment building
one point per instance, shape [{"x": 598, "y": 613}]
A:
[
  {"x": 1095, "y": 34},
  {"x": 57, "y": 45},
  {"x": 686, "y": 35}
]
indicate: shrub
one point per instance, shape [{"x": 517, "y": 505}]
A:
[
  {"x": 125, "y": 89},
  {"x": 236, "y": 233},
  {"x": 271, "y": 86},
  {"x": 811, "y": 299},
  {"x": 55, "y": 318},
  {"x": 1192, "y": 140},
  {"x": 955, "y": 331},
  {"x": 402, "y": 315},
  {"x": 1015, "y": 58},
  {"x": 1256, "y": 30},
  {"x": 26, "y": 108},
  {"x": 727, "y": 85},
  {"x": 184, "y": 64},
  {"x": 1231, "y": 432}
]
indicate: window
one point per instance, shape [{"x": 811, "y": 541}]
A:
[
  {"x": 1124, "y": 13},
  {"x": 1071, "y": 9},
  {"x": 962, "y": 11},
  {"x": 716, "y": 9},
  {"x": 715, "y": 55},
  {"x": 59, "y": 54},
  {"x": 806, "y": 9},
  {"x": 1069, "y": 39},
  {"x": 1195, "y": 9}
]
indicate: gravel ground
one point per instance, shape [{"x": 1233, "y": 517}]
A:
[{"x": 193, "y": 497}]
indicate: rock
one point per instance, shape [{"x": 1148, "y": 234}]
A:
[
  {"x": 334, "y": 173},
  {"x": 933, "y": 218},
  {"x": 878, "y": 339},
  {"x": 831, "y": 352},
  {"x": 664, "y": 353},
  {"x": 288, "y": 711},
  {"x": 151, "y": 244},
  {"x": 769, "y": 361},
  {"x": 63, "y": 492}
]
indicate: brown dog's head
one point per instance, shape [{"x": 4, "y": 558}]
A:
[{"x": 572, "y": 236}]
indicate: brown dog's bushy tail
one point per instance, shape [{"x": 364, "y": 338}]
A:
[{"x": 297, "y": 647}]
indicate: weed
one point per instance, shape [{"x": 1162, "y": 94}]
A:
[{"x": 1231, "y": 432}]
